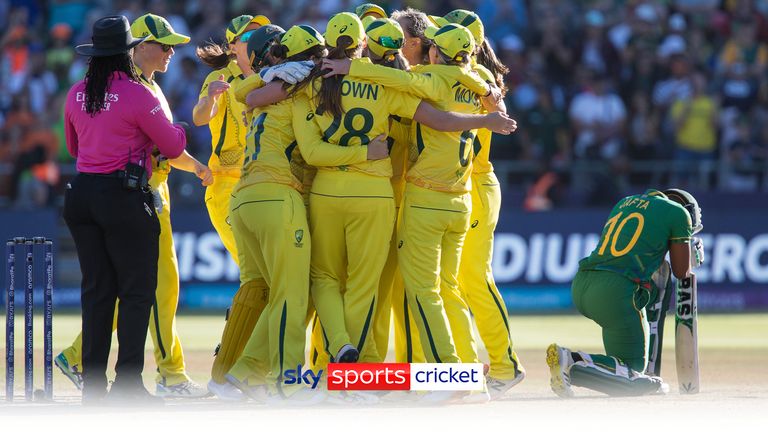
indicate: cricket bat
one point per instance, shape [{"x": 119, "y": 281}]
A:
[{"x": 686, "y": 336}]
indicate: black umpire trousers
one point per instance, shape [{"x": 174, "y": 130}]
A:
[{"x": 116, "y": 233}]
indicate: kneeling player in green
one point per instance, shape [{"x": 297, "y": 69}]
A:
[{"x": 622, "y": 284}]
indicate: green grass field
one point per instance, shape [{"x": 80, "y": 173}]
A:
[
  {"x": 732, "y": 347},
  {"x": 733, "y": 354}
]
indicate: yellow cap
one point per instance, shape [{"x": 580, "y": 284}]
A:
[
  {"x": 367, "y": 20},
  {"x": 344, "y": 24},
  {"x": 438, "y": 21},
  {"x": 238, "y": 25},
  {"x": 156, "y": 28},
  {"x": 453, "y": 40},
  {"x": 471, "y": 21},
  {"x": 301, "y": 38},
  {"x": 385, "y": 36},
  {"x": 367, "y": 8}
]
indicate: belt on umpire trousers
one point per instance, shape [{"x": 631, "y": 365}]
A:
[{"x": 115, "y": 174}]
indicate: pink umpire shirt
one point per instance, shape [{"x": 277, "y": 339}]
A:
[{"x": 132, "y": 123}]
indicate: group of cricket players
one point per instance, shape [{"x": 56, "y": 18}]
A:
[{"x": 350, "y": 180}]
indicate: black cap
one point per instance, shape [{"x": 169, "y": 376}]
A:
[
  {"x": 260, "y": 40},
  {"x": 111, "y": 36}
]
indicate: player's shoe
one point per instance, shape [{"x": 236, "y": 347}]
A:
[
  {"x": 347, "y": 354},
  {"x": 184, "y": 390},
  {"x": 255, "y": 392},
  {"x": 559, "y": 361},
  {"x": 499, "y": 387},
  {"x": 70, "y": 372},
  {"x": 225, "y": 391},
  {"x": 477, "y": 396}
]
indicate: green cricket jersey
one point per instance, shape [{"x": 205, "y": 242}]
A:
[{"x": 637, "y": 235}]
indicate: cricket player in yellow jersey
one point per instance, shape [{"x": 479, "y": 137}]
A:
[
  {"x": 476, "y": 273},
  {"x": 218, "y": 108},
  {"x": 435, "y": 211},
  {"x": 385, "y": 36},
  {"x": 352, "y": 206},
  {"x": 271, "y": 228},
  {"x": 153, "y": 55}
]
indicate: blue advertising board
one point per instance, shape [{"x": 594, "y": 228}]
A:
[
  {"x": 537, "y": 254},
  {"x": 535, "y": 257}
]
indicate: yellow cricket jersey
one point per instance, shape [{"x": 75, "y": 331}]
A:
[
  {"x": 367, "y": 107},
  {"x": 482, "y": 162},
  {"x": 160, "y": 165},
  {"x": 445, "y": 158},
  {"x": 273, "y": 155},
  {"x": 435, "y": 83},
  {"x": 227, "y": 128},
  {"x": 419, "y": 84},
  {"x": 399, "y": 136}
]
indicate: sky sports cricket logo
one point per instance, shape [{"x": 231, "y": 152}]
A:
[{"x": 391, "y": 376}]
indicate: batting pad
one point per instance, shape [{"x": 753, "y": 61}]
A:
[
  {"x": 656, "y": 311},
  {"x": 247, "y": 306},
  {"x": 618, "y": 380}
]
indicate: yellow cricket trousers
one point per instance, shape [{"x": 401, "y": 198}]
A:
[
  {"x": 391, "y": 301},
  {"x": 351, "y": 218},
  {"x": 476, "y": 277},
  {"x": 430, "y": 239},
  {"x": 252, "y": 295},
  {"x": 270, "y": 225}
]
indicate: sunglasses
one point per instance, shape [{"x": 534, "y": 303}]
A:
[
  {"x": 391, "y": 43},
  {"x": 164, "y": 47}
]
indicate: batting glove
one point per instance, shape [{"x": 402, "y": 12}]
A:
[
  {"x": 697, "y": 252},
  {"x": 291, "y": 72}
]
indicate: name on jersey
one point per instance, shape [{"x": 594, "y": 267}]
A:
[
  {"x": 640, "y": 204},
  {"x": 360, "y": 90},
  {"x": 108, "y": 99},
  {"x": 464, "y": 95}
]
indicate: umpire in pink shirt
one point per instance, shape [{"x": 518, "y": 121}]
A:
[{"x": 113, "y": 123}]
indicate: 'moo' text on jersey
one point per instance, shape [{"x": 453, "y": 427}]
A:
[
  {"x": 465, "y": 95},
  {"x": 360, "y": 90}
]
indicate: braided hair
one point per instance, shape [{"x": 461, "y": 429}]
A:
[{"x": 99, "y": 77}]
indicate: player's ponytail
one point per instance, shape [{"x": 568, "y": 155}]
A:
[
  {"x": 213, "y": 55},
  {"x": 394, "y": 60},
  {"x": 99, "y": 77},
  {"x": 487, "y": 58},
  {"x": 330, "y": 90},
  {"x": 279, "y": 51}
]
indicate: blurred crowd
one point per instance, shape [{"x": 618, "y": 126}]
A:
[{"x": 610, "y": 95}]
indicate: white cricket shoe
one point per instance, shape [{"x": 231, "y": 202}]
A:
[
  {"x": 185, "y": 390},
  {"x": 256, "y": 392},
  {"x": 559, "y": 361},
  {"x": 498, "y": 388},
  {"x": 71, "y": 372},
  {"x": 225, "y": 391}
]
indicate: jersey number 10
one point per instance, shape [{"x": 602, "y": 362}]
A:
[{"x": 612, "y": 236}]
